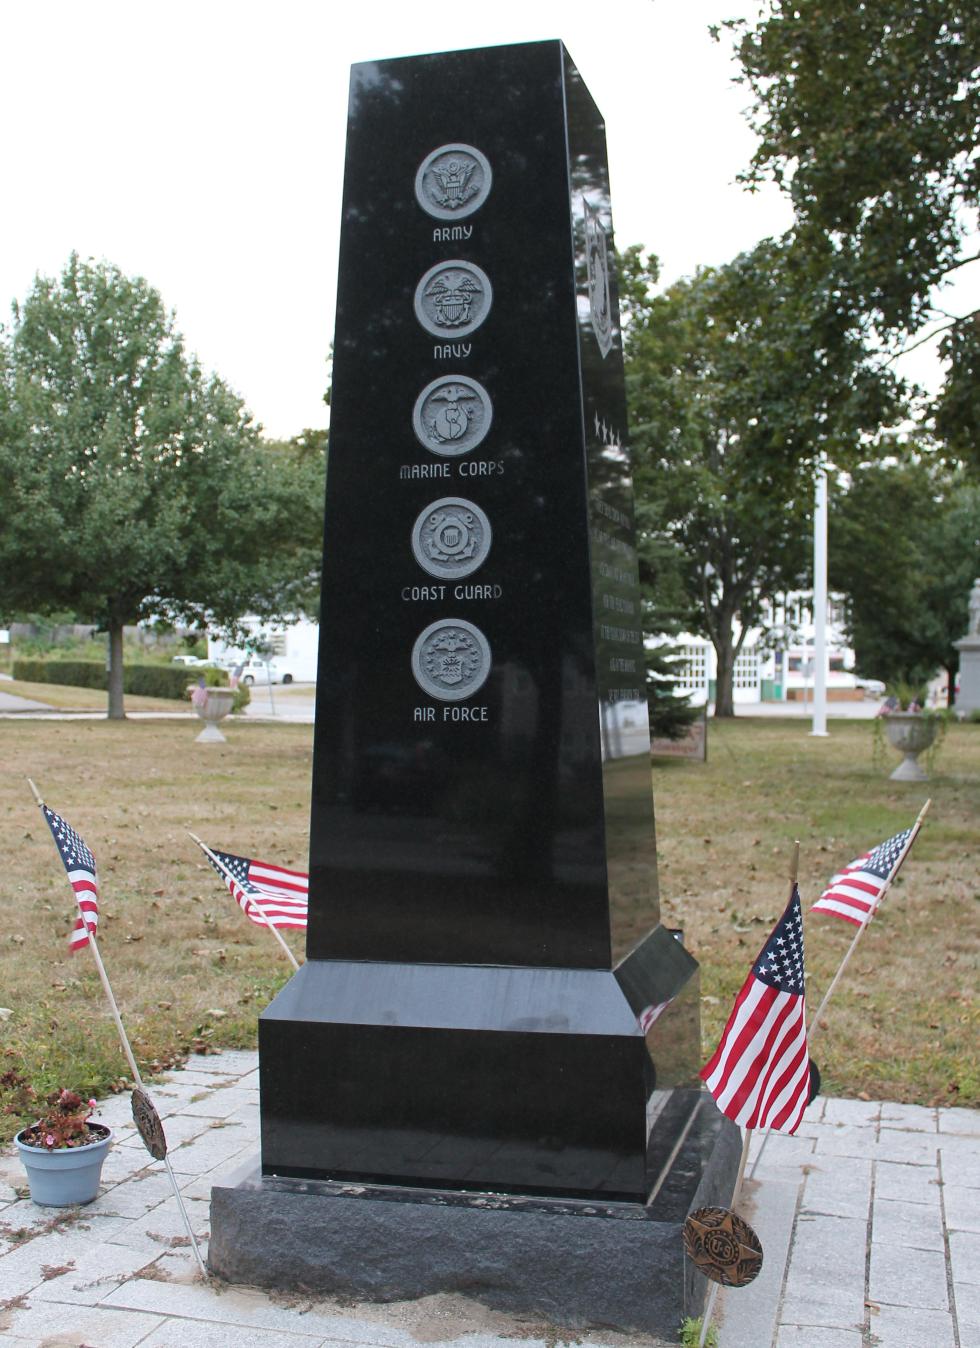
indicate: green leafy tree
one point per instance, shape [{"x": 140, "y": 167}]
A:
[
  {"x": 740, "y": 380},
  {"x": 868, "y": 116},
  {"x": 131, "y": 482},
  {"x": 904, "y": 551}
]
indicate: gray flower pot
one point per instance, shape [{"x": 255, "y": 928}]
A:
[
  {"x": 910, "y": 733},
  {"x": 66, "y": 1176}
]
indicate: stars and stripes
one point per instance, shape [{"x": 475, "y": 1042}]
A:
[
  {"x": 759, "y": 1074},
  {"x": 80, "y": 867},
  {"x": 267, "y": 894},
  {"x": 855, "y": 892}
]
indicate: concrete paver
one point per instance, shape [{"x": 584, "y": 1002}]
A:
[{"x": 120, "y": 1272}]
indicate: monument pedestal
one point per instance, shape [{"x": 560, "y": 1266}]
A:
[
  {"x": 968, "y": 697},
  {"x": 577, "y": 1264}
]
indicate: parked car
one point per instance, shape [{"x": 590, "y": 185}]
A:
[
  {"x": 260, "y": 671},
  {"x": 187, "y": 660}
]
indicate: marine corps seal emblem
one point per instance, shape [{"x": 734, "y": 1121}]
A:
[{"x": 452, "y": 415}]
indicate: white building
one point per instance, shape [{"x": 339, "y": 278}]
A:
[
  {"x": 293, "y": 647},
  {"x": 775, "y": 663}
]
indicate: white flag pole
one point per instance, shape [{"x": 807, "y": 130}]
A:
[
  {"x": 127, "y": 1048},
  {"x": 253, "y": 907}
]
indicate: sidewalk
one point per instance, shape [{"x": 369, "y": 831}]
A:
[{"x": 869, "y": 1218}]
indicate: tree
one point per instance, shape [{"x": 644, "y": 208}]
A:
[
  {"x": 740, "y": 379},
  {"x": 906, "y": 586},
  {"x": 132, "y": 483},
  {"x": 868, "y": 115}
]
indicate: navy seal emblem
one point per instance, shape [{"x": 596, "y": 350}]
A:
[{"x": 453, "y": 298}]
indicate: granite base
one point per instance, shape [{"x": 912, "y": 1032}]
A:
[{"x": 576, "y": 1264}]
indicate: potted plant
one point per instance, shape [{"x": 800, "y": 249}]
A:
[
  {"x": 63, "y": 1151},
  {"x": 909, "y": 727}
]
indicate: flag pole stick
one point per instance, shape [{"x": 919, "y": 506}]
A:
[
  {"x": 736, "y": 1193},
  {"x": 913, "y": 834},
  {"x": 794, "y": 875},
  {"x": 127, "y": 1050},
  {"x": 252, "y": 907}
]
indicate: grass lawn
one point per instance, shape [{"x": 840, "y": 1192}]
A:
[
  {"x": 65, "y": 697},
  {"x": 189, "y": 971}
]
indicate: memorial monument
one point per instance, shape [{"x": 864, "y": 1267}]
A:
[
  {"x": 486, "y": 1071},
  {"x": 968, "y": 697}
]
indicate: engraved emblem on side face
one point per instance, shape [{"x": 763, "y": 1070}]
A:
[
  {"x": 453, "y": 182},
  {"x": 451, "y": 537},
  {"x": 452, "y": 415},
  {"x": 597, "y": 265},
  {"x": 451, "y": 659},
  {"x": 453, "y": 298}
]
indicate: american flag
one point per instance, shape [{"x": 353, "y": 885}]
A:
[
  {"x": 760, "y": 1072},
  {"x": 80, "y": 866},
  {"x": 267, "y": 894},
  {"x": 855, "y": 892}
]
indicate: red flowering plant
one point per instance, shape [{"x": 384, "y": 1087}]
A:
[{"x": 66, "y": 1124}]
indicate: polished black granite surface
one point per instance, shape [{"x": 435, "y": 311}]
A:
[
  {"x": 479, "y": 828},
  {"x": 489, "y": 1001}
]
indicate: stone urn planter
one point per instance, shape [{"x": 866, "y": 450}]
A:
[
  {"x": 910, "y": 732},
  {"x": 212, "y": 705},
  {"x": 64, "y": 1177}
]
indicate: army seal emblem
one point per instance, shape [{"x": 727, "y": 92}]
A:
[
  {"x": 453, "y": 298},
  {"x": 452, "y": 415},
  {"x": 597, "y": 266},
  {"x": 451, "y": 659},
  {"x": 451, "y": 537},
  {"x": 453, "y": 182},
  {"x": 722, "y": 1246}
]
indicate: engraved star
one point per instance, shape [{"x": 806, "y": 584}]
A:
[{"x": 747, "y": 1260}]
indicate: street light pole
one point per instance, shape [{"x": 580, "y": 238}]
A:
[{"x": 820, "y": 602}]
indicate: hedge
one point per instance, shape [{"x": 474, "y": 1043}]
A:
[{"x": 146, "y": 680}]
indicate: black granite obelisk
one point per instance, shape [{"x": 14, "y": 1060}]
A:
[{"x": 489, "y": 1002}]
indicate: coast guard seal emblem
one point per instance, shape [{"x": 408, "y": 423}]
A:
[
  {"x": 453, "y": 182},
  {"x": 452, "y": 415},
  {"x": 451, "y": 659},
  {"x": 597, "y": 264},
  {"x": 451, "y": 537},
  {"x": 453, "y": 298}
]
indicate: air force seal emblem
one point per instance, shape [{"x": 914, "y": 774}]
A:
[{"x": 451, "y": 659}]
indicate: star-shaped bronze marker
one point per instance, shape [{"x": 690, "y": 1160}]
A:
[
  {"x": 722, "y": 1246},
  {"x": 148, "y": 1124}
]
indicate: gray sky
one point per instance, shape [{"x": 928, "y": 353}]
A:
[{"x": 200, "y": 144}]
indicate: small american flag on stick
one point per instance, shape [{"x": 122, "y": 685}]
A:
[
  {"x": 855, "y": 892},
  {"x": 80, "y": 867},
  {"x": 280, "y": 895},
  {"x": 759, "y": 1074}
]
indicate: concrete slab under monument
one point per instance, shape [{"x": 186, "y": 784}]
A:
[{"x": 485, "y": 1076}]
